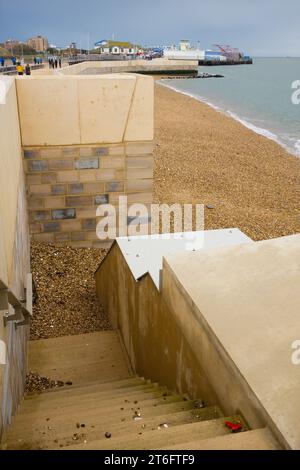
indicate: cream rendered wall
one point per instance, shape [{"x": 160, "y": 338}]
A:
[
  {"x": 14, "y": 247},
  {"x": 10, "y": 167},
  {"x": 58, "y": 110}
]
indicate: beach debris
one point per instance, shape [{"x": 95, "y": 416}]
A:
[
  {"x": 234, "y": 426},
  {"x": 107, "y": 435},
  {"x": 163, "y": 426},
  {"x": 209, "y": 206},
  {"x": 199, "y": 404}
]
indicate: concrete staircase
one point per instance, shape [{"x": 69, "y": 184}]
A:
[{"x": 118, "y": 410}]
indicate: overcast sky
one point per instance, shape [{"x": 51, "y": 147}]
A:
[{"x": 258, "y": 27}]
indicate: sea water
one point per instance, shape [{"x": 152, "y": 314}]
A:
[{"x": 258, "y": 95}]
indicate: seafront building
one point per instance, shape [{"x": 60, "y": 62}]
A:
[
  {"x": 108, "y": 46},
  {"x": 200, "y": 354},
  {"x": 38, "y": 43}
]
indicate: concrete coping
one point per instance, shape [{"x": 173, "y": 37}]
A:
[
  {"x": 144, "y": 254},
  {"x": 248, "y": 298}
]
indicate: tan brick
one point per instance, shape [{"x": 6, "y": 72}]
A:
[
  {"x": 51, "y": 152},
  {"x": 48, "y": 178},
  {"x": 35, "y": 227},
  {"x": 78, "y": 236},
  {"x": 112, "y": 162},
  {"x": 93, "y": 188},
  {"x": 91, "y": 235},
  {"x": 70, "y": 151},
  {"x": 114, "y": 198},
  {"x": 105, "y": 175},
  {"x": 67, "y": 176},
  {"x": 85, "y": 151},
  {"x": 116, "y": 150},
  {"x": 87, "y": 175},
  {"x": 76, "y": 201},
  {"x": 139, "y": 173},
  {"x": 85, "y": 213},
  {"x": 70, "y": 225},
  {"x": 62, "y": 237},
  {"x": 40, "y": 189},
  {"x": 139, "y": 185},
  {"x": 54, "y": 202},
  {"x": 60, "y": 164},
  {"x": 33, "y": 179},
  {"x": 44, "y": 237},
  {"x": 139, "y": 148},
  {"x": 140, "y": 198},
  {"x": 140, "y": 162},
  {"x": 35, "y": 202}
]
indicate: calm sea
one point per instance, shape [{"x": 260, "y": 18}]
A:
[{"x": 258, "y": 95}]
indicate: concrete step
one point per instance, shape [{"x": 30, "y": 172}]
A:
[
  {"x": 101, "y": 385},
  {"x": 171, "y": 436},
  {"x": 79, "y": 375},
  {"x": 258, "y": 439},
  {"x": 68, "y": 435},
  {"x": 92, "y": 416},
  {"x": 79, "y": 394},
  {"x": 96, "y": 399},
  {"x": 98, "y": 338},
  {"x": 80, "y": 358}
]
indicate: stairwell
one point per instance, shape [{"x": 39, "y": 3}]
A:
[{"x": 104, "y": 406}]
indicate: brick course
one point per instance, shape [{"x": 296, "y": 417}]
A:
[{"x": 65, "y": 185}]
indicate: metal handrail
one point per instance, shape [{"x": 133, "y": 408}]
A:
[{"x": 22, "y": 307}]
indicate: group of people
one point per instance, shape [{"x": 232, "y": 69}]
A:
[
  {"x": 21, "y": 69},
  {"x": 54, "y": 62}
]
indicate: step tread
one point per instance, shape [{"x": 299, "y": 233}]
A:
[
  {"x": 79, "y": 358},
  {"x": 63, "y": 436},
  {"x": 45, "y": 400},
  {"x": 92, "y": 416},
  {"x": 153, "y": 439},
  {"x": 112, "y": 384},
  {"x": 257, "y": 439},
  {"x": 73, "y": 340},
  {"x": 95, "y": 399}
]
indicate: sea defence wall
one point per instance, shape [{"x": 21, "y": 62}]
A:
[
  {"x": 86, "y": 140},
  {"x": 221, "y": 327},
  {"x": 14, "y": 251},
  {"x": 151, "y": 67}
]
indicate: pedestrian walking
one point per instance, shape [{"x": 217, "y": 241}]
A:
[
  {"x": 59, "y": 62},
  {"x": 20, "y": 69},
  {"x": 27, "y": 70}
]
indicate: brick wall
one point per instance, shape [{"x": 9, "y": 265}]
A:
[{"x": 65, "y": 185}]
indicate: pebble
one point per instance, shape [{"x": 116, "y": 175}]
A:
[{"x": 65, "y": 301}]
